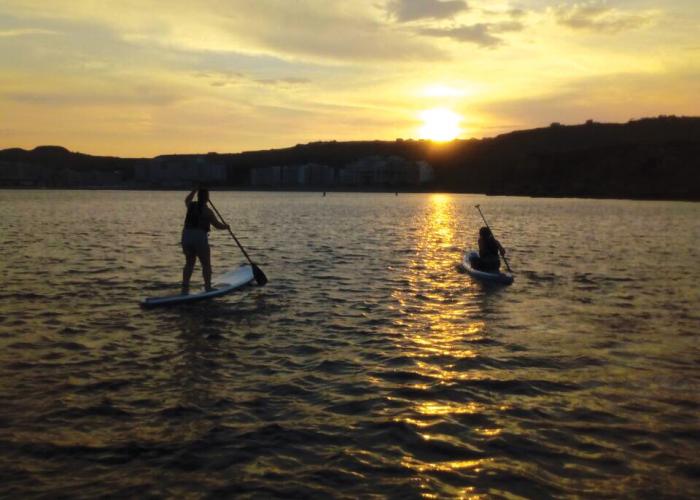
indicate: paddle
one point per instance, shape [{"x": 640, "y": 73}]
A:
[
  {"x": 257, "y": 272},
  {"x": 478, "y": 207}
]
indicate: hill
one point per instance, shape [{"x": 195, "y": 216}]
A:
[{"x": 648, "y": 158}]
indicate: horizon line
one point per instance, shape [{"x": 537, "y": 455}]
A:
[{"x": 398, "y": 139}]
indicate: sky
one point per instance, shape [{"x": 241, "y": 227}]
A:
[{"x": 146, "y": 77}]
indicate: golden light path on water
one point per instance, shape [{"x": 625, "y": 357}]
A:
[{"x": 440, "y": 319}]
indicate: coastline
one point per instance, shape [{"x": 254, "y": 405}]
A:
[{"x": 348, "y": 191}]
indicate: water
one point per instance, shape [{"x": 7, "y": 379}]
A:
[{"x": 369, "y": 365}]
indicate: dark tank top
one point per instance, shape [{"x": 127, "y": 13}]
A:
[{"x": 195, "y": 218}]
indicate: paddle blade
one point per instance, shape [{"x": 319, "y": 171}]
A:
[{"x": 259, "y": 276}]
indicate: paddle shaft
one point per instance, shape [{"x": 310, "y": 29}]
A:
[
  {"x": 231, "y": 233},
  {"x": 478, "y": 207}
]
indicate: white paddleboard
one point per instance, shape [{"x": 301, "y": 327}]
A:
[
  {"x": 497, "y": 277},
  {"x": 226, "y": 283}
]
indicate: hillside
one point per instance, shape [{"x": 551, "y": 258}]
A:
[{"x": 647, "y": 158}]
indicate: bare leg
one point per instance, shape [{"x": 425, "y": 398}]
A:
[
  {"x": 205, "y": 259},
  {"x": 190, "y": 259}
]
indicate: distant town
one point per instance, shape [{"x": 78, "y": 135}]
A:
[
  {"x": 181, "y": 171},
  {"x": 651, "y": 158}
]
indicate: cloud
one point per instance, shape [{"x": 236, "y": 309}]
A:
[
  {"x": 137, "y": 96},
  {"x": 482, "y": 34},
  {"x": 283, "y": 81},
  {"x": 514, "y": 13},
  {"x": 311, "y": 31},
  {"x": 101, "y": 54},
  {"x": 614, "y": 97},
  {"x": 595, "y": 16},
  {"x": 227, "y": 78},
  {"x": 316, "y": 31},
  {"x": 517, "y": 13},
  {"x": 412, "y": 10},
  {"x": 10, "y": 33},
  {"x": 329, "y": 34}
]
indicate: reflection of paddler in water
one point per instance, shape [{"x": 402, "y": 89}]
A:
[{"x": 195, "y": 242}]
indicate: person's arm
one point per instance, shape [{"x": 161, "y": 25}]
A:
[
  {"x": 190, "y": 197},
  {"x": 214, "y": 221},
  {"x": 501, "y": 250}
]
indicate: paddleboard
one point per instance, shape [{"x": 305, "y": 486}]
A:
[
  {"x": 224, "y": 284},
  {"x": 498, "y": 277}
]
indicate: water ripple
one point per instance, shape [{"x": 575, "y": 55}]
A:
[{"x": 369, "y": 366}]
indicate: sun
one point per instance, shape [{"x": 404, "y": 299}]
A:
[{"x": 439, "y": 124}]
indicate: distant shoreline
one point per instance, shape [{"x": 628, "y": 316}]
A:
[
  {"x": 646, "y": 159},
  {"x": 215, "y": 189}
]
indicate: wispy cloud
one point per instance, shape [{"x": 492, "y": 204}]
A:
[
  {"x": 596, "y": 16},
  {"x": 482, "y": 34},
  {"x": 283, "y": 81},
  {"x": 613, "y": 97},
  {"x": 226, "y": 78},
  {"x": 336, "y": 36},
  {"x": 412, "y": 10},
  {"x": 517, "y": 13},
  {"x": 138, "y": 96},
  {"x": 11, "y": 33},
  {"x": 316, "y": 31}
]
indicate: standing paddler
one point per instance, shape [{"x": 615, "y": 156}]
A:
[{"x": 195, "y": 241}]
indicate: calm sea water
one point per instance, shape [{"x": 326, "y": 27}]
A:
[{"x": 369, "y": 365}]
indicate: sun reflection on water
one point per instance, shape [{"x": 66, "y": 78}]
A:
[
  {"x": 440, "y": 318},
  {"x": 444, "y": 466},
  {"x": 436, "y": 316}
]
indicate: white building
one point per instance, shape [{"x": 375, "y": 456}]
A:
[{"x": 177, "y": 171}]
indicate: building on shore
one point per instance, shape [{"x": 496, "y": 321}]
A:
[
  {"x": 386, "y": 171},
  {"x": 371, "y": 171},
  {"x": 180, "y": 171},
  {"x": 426, "y": 173},
  {"x": 16, "y": 174},
  {"x": 266, "y": 176},
  {"x": 292, "y": 176}
]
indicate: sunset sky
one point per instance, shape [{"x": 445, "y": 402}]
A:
[{"x": 148, "y": 77}]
